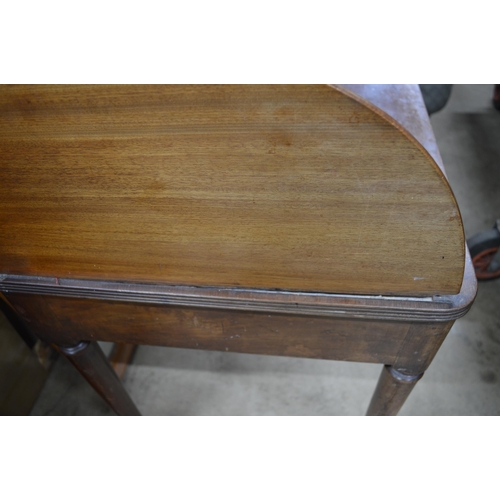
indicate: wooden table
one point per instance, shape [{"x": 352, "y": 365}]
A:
[{"x": 298, "y": 220}]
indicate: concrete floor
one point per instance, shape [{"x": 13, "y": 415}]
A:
[{"x": 464, "y": 378}]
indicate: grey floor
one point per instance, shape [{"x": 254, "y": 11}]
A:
[{"x": 464, "y": 378}]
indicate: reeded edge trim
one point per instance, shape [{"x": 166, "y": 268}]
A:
[{"x": 392, "y": 308}]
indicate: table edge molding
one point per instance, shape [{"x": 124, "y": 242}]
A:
[{"x": 375, "y": 307}]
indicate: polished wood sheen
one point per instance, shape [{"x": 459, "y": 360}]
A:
[{"x": 289, "y": 187}]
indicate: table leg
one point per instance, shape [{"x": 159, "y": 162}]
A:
[
  {"x": 120, "y": 357},
  {"x": 91, "y": 362},
  {"x": 392, "y": 390}
]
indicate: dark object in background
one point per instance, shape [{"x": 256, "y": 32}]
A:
[
  {"x": 23, "y": 369},
  {"x": 484, "y": 249},
  {"x": 435, "y": 96},
  {"x": 496, "y": 97}
]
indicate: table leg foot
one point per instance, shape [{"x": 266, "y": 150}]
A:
[
  {"x": 91, "y": 362},
  {"x": 392, "y": 390}
]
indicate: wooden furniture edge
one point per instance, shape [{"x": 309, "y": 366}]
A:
[{"x": 427, "y": 309}]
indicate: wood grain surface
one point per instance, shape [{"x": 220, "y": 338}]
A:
[{"x": 291, "y": 187}]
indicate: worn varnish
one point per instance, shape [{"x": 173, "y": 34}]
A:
[
  {"x": 271, "y": 186},
  {"x": 64, "y": 320}
]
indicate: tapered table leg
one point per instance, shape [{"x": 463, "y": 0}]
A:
[
  {"x": 392, "y": 390},
  {"x": 91, "y": 362}
]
